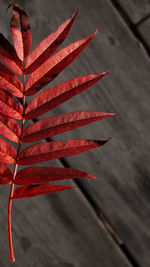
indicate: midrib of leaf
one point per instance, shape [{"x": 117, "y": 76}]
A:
[{"x": 11, "y": 251}]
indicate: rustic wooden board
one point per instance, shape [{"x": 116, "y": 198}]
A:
[
  {"x": 122, "y": 165},
  {"x": 144, "y": 29},
  {"x": 135, "y": 9}
]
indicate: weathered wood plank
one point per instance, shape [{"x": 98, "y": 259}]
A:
[
  {"x": 144, "y": 29},
  {"x": 123, "y": 163},
  {"x": 135, "y": 9}
]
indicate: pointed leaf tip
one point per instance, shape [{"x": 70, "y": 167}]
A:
[
  {"x": 96, "y": 31},
  {"x": 49, "y": 127},
  {"x": 92, "y": 176},
  {"x": 41, "y": 152},
  {"x": 75, "y": 13},
  {"x": 53, "y": 66},
  {"x": 49, "y": 45},
  {"x": 20, "y": 29},
  {"x": 106, "y": 72},
  {"x": 12, "y": 4},
  {"x": 100, "y": 142},
  {"x": 34, "y": 175}
]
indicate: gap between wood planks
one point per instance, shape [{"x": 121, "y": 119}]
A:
[
  {"x": 133, "y": 27},
  {"x": 104, "y": 220}
]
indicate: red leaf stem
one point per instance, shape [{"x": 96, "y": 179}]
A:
[{"x": 11, "y": 251}]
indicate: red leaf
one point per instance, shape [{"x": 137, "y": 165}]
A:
[
  {"x": 9, "y": 82},
  {"x": 39, "y": 189},
  {"x": 8, "y": 55},
  {"x": 37, "y": 174},
  {"x": 53, "y": 66},
  {"x": 5, "y": 174},
  {"x": 48, "y": 46},
  {"x": 21, "y": 32},
  {"x": 7, "y": 153},
  {"x": 9, "y": 128},
  {"x": 9, "y": 106},
  {"x": 61, "y": 123},
  {"x": 53, "y": 97},
  {"x": 52, "y": 150}
]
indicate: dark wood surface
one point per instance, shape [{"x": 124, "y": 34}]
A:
[
  {"x": 144, "y": 29},
  {"x": 63, "y": 229},
  {"x": 137, "y": 10}
]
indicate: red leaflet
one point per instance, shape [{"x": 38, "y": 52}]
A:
[
  {"x": 39, "y": 189},
  {"x": 9, "y": 128},
  {"x": 5, "y": 174},
  {"x": 61, "y": 123},
  {"x": 53, "y": 97},
  {"x": 9, "y": 106},
  {"x": 9, "y": 82},
  {"x": 48, "y": 46},
  {"x": 21, "y": 32},
  {"x": 8, "y": 55},
  {"x": 7, "y": 152},
  {"x": 53, "y": 150},
  {"x": 37, "y": 174},
  {"x": 53, "y": 66}
]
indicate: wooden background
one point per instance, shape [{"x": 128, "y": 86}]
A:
[{"x": 102, "y": 223}]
